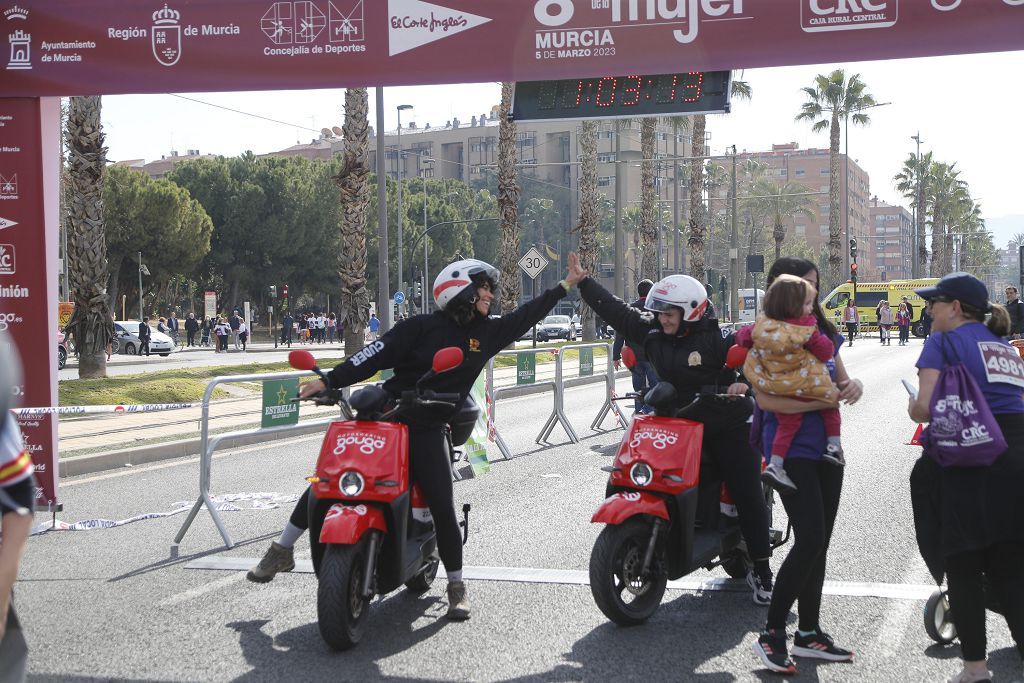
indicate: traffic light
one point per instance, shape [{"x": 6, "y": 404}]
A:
[
  {"x": 853, "y": 272},
  {"x": 853, "y": 249},
  {"x": 273, "y": 291},
  {"x": 417, "y": 290},
  {"x": 284, "y": 291}
]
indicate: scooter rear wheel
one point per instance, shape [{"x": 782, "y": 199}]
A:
[
  {"x": 340, "y": 605},
  {"x": 626, "y": 597},
  {"x": 421, "y": 582}
]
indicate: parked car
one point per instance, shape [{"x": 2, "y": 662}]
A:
[
  {"x": 528, "y": 335},
  {"x": 62, "y": 350},
  {"x": 128, "y": 335},
  {"x": 556, "y": 327}
]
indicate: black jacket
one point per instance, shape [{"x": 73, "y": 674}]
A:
[
  {"x": 620, "y": 341},
  {"x": 1016, "y": 311},
  {"x": 693, "y": 360},
  {"x": 144, "y": 332},
  {"x": 409, "y": 348},
  {"x": 191, "y": 325}
]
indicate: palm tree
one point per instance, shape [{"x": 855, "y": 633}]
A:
[
  {"x": 508, "y": 202},
  {"x": 587, "y": 226},
  {"x": 974, "y": 245},
  {"x": 945, "y": 191},
  {"x": 779, "y": 203},
  {"x": 698, "y": 226},
  {"x": 648, "y": 211},
  {"x": 353, "y": 181},
  {"x": 832, "y": 99},
  {"x": 913, "y": 181},
  {"x": 91, "y": 325}
]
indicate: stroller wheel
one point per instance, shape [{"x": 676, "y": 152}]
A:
[{"x": 938, "y": 618}]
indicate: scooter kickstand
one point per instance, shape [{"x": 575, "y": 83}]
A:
[{"x": 465, "y": 523}]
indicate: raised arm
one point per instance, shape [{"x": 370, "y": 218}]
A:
[
  {"x": 377, "y": 355},
  {"x": 512, "y": 325},
  {"x": 632, "y": 324}
]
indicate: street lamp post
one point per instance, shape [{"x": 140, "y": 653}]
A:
[
  {"x": 916, "y": 258},
  {"x": 401, "y": 223},
  {"x": 423, "y": 237},
  {"x": 143, "y": 270}
]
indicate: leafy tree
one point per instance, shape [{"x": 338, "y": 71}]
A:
[
  {"x": 913, "y": 181},
  {"x": 830, "y": 100}
]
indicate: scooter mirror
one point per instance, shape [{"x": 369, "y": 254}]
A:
[
  {"x": 446, "y": 359},
  {"x": 628, "y": 357},
  {"x": 301, "y": 360},
  {"x": 735, "y": 356}
]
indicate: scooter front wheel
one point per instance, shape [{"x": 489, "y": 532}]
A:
[
  {"x": 626, "y": 595},
  {"x": 340, "y": 605}
]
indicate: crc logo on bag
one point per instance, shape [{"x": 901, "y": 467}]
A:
[
  {"x": 847, "y": 15},
  {"x": 368, "y": 444},
  {"x": 953, "y": 424},
  {"x": 658, "y": 438}
]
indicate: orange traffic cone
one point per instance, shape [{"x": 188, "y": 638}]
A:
[{"x": 916, "y": 439}]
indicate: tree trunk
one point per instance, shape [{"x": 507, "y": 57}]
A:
[
  {"x": 91, "y": 325},
  {"x": 938, "y": 243},
  {"x": 698, "y": 229},
  {"x": 835, "y": 226},
  {"x": 779, "y": 233},
  {"x": 353, "y": 183},
  {"x": 648, "y": 225},
  {"x": 587, "y": 226},
  {"x": 508, "y": 203}
]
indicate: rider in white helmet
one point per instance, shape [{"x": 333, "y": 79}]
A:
[
  {"x": 682, "y": 340},
  {"x": 463, "y": 291}
]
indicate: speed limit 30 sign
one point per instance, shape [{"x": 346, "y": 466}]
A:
[{"x": 533, "y": 262}]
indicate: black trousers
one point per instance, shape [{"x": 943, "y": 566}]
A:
[
  {"x": 191, "y": 338},
  {"x": 430, "y": 468},
  {"x": 1003, "y": 565},
  {"x": 812, "y": 510}
]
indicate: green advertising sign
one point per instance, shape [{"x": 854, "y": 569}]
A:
[
  {"x": 278, "y": 409},
  {"x": 586, "y": 362},
  {"x": 526, "y": 368}
]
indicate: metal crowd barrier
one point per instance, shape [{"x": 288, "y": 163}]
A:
[
  {"x": 209, "y": 444},
  {"x": 557, "y": 416}
]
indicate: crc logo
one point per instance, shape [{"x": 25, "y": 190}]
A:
[
  {"x": 7, "y": 319},
  {"x": 340, "y": 509},
  {"x": 847, "y": 15},
  {"x": 6, "y": 259},
  {"x": 658, "y": 439},
  {"x": 368, "y": 444}
]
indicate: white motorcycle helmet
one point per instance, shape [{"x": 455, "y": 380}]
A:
[
  {"x": 679, "y": 291},
  {"x": 459, "y": 280}
]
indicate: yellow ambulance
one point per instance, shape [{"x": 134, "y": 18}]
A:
[{"x": 870, "y": 294}]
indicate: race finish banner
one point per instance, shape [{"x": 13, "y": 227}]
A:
[
  {"x": 84, "y": 47},
  {"x": 28, "y": 279}
]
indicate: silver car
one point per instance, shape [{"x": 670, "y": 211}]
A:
[
  {"x": 127, "y": 332},
  {"x": 556, "y": 327}
]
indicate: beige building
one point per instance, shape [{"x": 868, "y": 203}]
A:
[{"x": 891, "y": 242}]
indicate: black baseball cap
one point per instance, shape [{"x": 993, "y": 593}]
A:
[{"x": 961, "y": 286}]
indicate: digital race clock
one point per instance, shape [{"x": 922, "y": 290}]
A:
[{"x": 609, "y": 97}]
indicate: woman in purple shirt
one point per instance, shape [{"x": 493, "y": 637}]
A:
[
  {"x": 970, "y": 520},
  {"x": 812, "y": 508}
]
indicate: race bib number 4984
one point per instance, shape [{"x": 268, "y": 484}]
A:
[{"x": 1002, "y": 363}]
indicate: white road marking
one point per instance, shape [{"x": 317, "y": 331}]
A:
[
  {"x": 185, "y": 596},
  {"x": 854, "y": 589}
]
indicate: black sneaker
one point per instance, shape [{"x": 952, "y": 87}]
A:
[
  {"x": 762, "y": 588},
  {"x": 770, "y": 646},
  {"x": 819, "y": 645}
]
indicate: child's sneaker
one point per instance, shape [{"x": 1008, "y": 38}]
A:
[
  {"x": 770, "y": 646},
  {"x": 776, "y": 477},
  {"x": 833, "y": 455},
  {"x": 819, "y": 645},
  {"x": 762, "y": 588}
]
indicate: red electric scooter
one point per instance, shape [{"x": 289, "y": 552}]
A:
[
  {"x": 662, "y": 509},
  {"x": 369, "y": 532}
]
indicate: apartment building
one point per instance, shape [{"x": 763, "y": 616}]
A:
[{"x": 891, "y": 241}]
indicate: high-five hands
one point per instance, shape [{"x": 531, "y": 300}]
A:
[{"x": 576, "y": 273}]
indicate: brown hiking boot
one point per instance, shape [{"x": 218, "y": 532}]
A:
[
  {"x": 277, "y": 559},
  {"x": 458, "y": 603}
]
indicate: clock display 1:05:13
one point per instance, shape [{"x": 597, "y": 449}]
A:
[{"x": 621, "y": 91}]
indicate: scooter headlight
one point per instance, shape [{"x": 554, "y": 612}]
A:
[
  {"x": 351, "y": 483},
  {"x": 641, "y": 474}
]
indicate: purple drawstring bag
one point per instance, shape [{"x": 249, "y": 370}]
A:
[{"x": 963, "y": 432}]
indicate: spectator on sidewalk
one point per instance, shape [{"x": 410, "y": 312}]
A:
[
  {"x": 374, "y": 327},
  {"x": 223, "y": 331},
  {"x": 286, "y": 329},
  {"x": 234, "y": 321},
  {"x": 243, "y": 333},
  {"x": 172, "y": 325},
  {"x": 144, "y": 336},
  {"x": 1015, "y": 307},
  {"x": 191, "y": 327},
  {"x": 332, "y": 327}
]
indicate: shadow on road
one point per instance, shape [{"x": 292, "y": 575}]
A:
[{"x": 301, "y": 653}]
